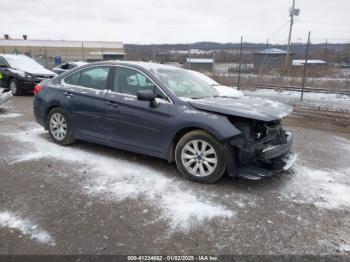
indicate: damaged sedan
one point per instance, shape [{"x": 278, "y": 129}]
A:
[{"x": 169, "y": 113}]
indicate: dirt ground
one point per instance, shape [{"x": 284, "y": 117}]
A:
[{"x": 91, "y": 199}]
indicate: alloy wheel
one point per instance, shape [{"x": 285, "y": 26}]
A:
[
  {"x": 58, "y": 126},
  {"x": 199, "y": 158}
]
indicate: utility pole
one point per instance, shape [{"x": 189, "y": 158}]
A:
[
  {"x": 189, "y": 58},
  {"x": 154, "y": 53},
  {"x": 305, "y": 66},
  {"x": 240, "y": 64},
  {"x": 292, "y": 12},
  {"x": 82, "y": 51},
  {"x": 45, "y": 52},
  {"x": 325, "y": 50}
]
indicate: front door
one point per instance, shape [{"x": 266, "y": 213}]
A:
[
  {"x": 132, "y": 122},
  {"x": 85, "y": 92}
]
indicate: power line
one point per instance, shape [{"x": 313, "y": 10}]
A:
[
  {"x": 279, "y": 30},
  {"x": 321, "y": 23}
]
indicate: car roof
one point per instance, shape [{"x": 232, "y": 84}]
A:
[
  {"x": 145, "y": 65},
  {"x": 79, "y": 63}
]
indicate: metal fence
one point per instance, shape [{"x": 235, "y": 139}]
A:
[
  {"x": 311, "y": 68},
  {"x": 319, "y": 68}
]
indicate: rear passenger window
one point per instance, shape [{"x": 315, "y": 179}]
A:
[
  {"x": 95, "y": 78},
  {"x": 73, "y": 79}
]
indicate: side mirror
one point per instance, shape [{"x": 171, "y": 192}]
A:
[{"x": 147, "y": 95}]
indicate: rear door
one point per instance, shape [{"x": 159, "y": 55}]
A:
[
  {"x": 132, "y": 122},
  {"x": 85, "y": 92}
]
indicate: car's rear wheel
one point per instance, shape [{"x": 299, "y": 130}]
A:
[
  {"x": 59, "y": 127},
  {"x": 14, "y": 87},
  {"x": 200, "y": 157}
]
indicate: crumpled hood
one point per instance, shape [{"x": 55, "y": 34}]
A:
[{"x": 246, "y": 106}]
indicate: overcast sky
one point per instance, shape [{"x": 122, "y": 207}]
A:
[{"x": 174, "y": 21}]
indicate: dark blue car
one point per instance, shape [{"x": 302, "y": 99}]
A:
[{"x": 170, "y": 113}]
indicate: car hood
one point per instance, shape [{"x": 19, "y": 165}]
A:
[
  {"x": 36, "y": 71},
  {"x": 39, "y": 71},
  {"x": 246, "y": 106}
]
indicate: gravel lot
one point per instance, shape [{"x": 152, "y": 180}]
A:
[{"x": 91, "y": 199}]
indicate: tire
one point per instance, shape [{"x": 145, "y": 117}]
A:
[
  {"x": 59, "y": 127},
  {"x": 199, "y": 164},
  {"x": 15, "y": 88}
]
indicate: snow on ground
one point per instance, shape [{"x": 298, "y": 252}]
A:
[
  {"x": 328, "y": 189},
  {"x": 12, "y": 221},
  {"x": 345, "y": 247},
  {"x": 313, "y": 100},
  {"x": 181, "y": 204},
  {"x": 10, "y": 115},
  {"x": 118, "y": 179},
  {"x": 325, "y": 188}
]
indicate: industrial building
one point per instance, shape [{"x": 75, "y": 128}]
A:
[
  {"x": 271, "y": 58},
  {"x": 315, "y": 67},
  {"x": 52, "y": 52},
  {"x": 200, "y": 64}
]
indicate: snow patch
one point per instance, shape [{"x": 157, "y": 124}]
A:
[
  {"x": 10, "y": 115},
  {"x": 328, "y": 189},
  {"x": 313, "y": 100},
  {"x": 344, "y": 248},
  {"x": 11, "y": 220},
  {"x": 118, "y": 179}
]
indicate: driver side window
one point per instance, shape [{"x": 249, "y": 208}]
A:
[{"x": 129, "y": 81}]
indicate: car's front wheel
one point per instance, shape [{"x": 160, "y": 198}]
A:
[
  {"x": 200, "y": 157},
  {"x": 59, "y": 127}
]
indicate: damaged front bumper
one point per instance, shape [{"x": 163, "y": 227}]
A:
[{"x": 254, "y": 160}]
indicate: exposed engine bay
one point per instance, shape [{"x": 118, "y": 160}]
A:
[{"x": 263, "y": 148}]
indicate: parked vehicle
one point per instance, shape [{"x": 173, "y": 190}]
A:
[
  {"x": 21, "y": 73},
  {"x": 5, "y": 96},
  {"x": 169, "y": 113},
  {"x": 67, "y": 66}
]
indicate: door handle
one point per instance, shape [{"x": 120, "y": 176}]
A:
[
  {"x": 67, "y": 94},
  {"x": 112, "y": 104}
]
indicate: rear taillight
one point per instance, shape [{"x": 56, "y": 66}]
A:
[{"x": 37, "y": 89}]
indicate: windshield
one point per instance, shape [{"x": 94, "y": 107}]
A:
[
  {"x": 22, "y": 62},
  {"x": 184, "y": 83},
  {"x": 205, "y": 78}
]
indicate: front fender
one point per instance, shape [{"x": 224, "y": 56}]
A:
[{"x": 216, "y": 124}]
